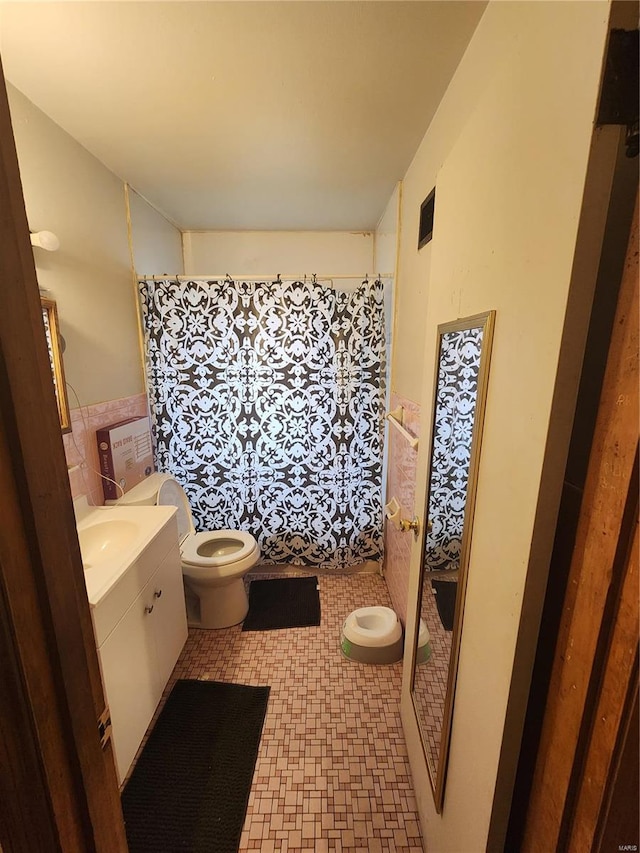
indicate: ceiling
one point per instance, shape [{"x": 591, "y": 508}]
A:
[{"x": 244, "y": 115}]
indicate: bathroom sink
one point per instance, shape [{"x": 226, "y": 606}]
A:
[
  {"x": 112, "y": 539},
  {"x": 106, "y": 540}
]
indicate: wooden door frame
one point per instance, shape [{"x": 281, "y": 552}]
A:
[
  {"x": 594, "y": 671},
  {"x": 58, "y": 788}
]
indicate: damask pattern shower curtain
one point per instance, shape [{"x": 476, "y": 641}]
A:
[
  {"x": 453, "y": 421},
  {"x": 267, "y": 405}
]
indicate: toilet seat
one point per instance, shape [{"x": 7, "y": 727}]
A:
[
  {"x": 372, "y": 626},
  {"x": 216, "y": 548}
]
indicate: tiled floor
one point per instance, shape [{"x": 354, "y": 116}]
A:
[
  {"x": 332, "y": 770},
  {"x": 430, "y": 683}
]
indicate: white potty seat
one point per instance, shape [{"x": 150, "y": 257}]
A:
[
  {"x": 423, "y": 653},
  {"x": 372, "y": 626},
  {"x": 372, "y": 635}
]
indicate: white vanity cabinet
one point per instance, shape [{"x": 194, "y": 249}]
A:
[
  {"x": 140, "y": 628},
  {"x": 169, "y": 618}
]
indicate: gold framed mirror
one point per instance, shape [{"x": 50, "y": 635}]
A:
[
  {"x": 462, "y": 372},
  {"x": 52, "y": 333}
]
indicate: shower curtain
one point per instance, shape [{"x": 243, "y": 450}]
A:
[
  {"x": 267, "y": 405},
  {"x": 453, "y": 421}
]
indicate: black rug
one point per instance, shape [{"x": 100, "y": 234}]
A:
[
  {"x": 283, "y": 603},
  {"x": 190, "y": 787},
  {"x": 446, "y": 592}
]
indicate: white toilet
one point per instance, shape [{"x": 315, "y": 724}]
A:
[{"x": 213, "y": 563}]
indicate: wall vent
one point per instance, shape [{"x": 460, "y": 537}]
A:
[{"x": 427, "y": 208}]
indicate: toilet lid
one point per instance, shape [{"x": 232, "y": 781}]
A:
[
  {"x": 171, "y": 493},
  {"x": 217, "y": 548}
]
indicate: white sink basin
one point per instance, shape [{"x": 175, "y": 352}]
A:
[
  {"x": 112, "y": 538},
  {"x": 105, "y": 540}
]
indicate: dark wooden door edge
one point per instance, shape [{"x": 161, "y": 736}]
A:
[
  {"x": 618, "y": 823},
  {"x": 606, "y": 707},
  {"x": 46, "y": 606},
  {"x": 26, "y": 815},
  {"x": 600, "y": 538}
]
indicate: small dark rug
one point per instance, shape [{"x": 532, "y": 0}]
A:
[
  {"x": 190, "y": 787},
  {"x": 446, "y": 592},
  {"x": 283, "y": 603}
]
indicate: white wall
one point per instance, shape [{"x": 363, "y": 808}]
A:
[
  {"x": 272, "y": 252},
  {"x": 68, "y": 191},
  {"x": 507, "y": 152},
  {"x": 157, "y": 244},
  {"x": 386, "y": 236},
  {"x": 385, "y": 255}
]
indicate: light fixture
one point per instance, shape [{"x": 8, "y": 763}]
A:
[{"x": 45, "y": 240}]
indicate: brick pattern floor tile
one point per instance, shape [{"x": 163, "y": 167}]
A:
[{"x": 332, "y": 772}]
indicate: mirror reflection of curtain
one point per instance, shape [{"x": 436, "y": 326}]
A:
[
  {"x": 463, "y": 353},
  {"x": 267, "y": 404},
  {"x": 452, "y": 435}
]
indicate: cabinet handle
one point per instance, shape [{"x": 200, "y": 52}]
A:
[
  {"x": 157, "y": 593},
  {"x": 148, "y": 609}
]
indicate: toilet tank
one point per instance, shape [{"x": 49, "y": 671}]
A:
[
  {"x": 165, "y": 490},
  {"x": 144, "y": 493}
]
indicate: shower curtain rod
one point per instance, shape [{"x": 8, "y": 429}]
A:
[{"x": 219, "y": 276}]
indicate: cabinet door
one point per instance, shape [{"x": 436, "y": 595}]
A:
[
  {"x": 127, "y": 659},
  {"x": 166, "y": 591}
]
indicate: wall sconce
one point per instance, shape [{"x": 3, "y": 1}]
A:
[{"x": 45, "y": 240}]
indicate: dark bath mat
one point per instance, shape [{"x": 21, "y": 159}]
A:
[
  {"x": 283, "y": 603},
  {"x": 446, "y": 592},
  {"x": 190, "y": 787}
]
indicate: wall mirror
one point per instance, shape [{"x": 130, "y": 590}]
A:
[
  {"x": 462, "y": 370},
  {"x": 52, "y": 332}
]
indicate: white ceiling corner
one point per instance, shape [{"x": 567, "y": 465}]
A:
[{"x": 244, "y": 115}]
